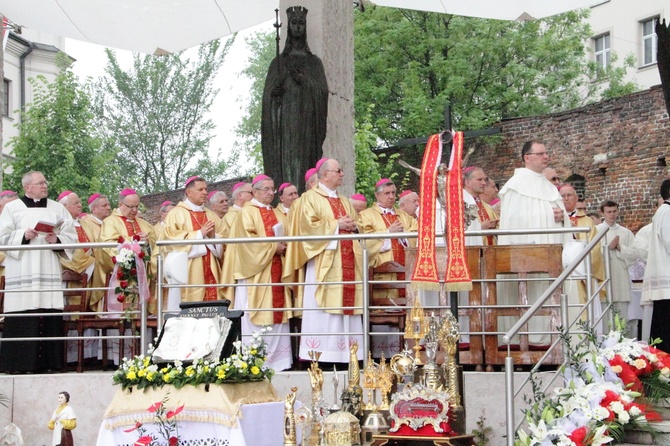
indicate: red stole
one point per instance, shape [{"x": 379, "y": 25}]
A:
[
  {"x": 199, "y": 218},
  {"x": 396, "y": 247},
  {"x": 348, "y": 259},
  {"x": 132, "y": 227},
  {"x": 82, "y": 237},
  {"x": 483, "y": 216},
  {"x": 269, "y": 220}
]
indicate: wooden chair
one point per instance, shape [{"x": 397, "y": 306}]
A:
[
  {"x": 84, "y": 322},
  {"x": 519, "y": 260},
  {"x": 396, "y": 313}
]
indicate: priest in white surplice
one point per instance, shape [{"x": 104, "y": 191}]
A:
[
  {"x": 34, "y": 272},
  {"x": 324, "y": 212},
  {"x": 530, "y": 201},
  {"x": 656, "y": 285}
]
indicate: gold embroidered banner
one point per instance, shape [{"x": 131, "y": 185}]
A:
[{"x": 457, "y": 276}]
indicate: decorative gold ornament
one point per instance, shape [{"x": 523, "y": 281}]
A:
[
  {"x": 319, "y": 408},
  {"x": 342, "y": 429},
  {"x": 385, "y": 382},
  {"x": 449, "y": 335},
  {"x": 403, "y": 365},
  {"x": 290, "y": 437},
  {"x": 370, "y": 378},
  {"x": 354, "y": 388},
  {"x": 415, "y": 328},
  {"x": 419, "y": 406}
]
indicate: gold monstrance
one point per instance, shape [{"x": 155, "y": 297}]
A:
[{"x": 415, "y": 328}]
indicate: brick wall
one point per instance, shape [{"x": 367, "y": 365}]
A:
[
  {"x": 616, "y": 145},
  {"x": 152, "y": 202}
]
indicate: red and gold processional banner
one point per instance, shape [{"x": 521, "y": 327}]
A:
[{"x": 425, "y": 275}]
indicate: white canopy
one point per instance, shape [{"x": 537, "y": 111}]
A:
[{"x": 155, "y": 26}]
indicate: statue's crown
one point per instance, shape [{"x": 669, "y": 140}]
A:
[{"x": 296, "y": 11}]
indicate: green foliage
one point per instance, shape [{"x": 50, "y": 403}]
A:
[
  {"x": 57, "y": 136},
  {"x": 262, "y": 50},
  {"x": 410, "y": 64},
  {"x": 154, "y": 116},
  {"x": 482, "y": 432}
]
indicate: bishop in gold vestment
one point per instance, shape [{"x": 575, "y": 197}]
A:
[{"x": 324, "y": 212}]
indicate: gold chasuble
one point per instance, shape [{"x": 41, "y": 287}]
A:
[
  {"x": 377, "y": 220},
  {"x": 318, "y": 215},
  {"x": 115, "y": 226},
  {"x": 81, "y": 258},
  {"x": 227, "y": 221},
  {"x": 103, "y": 263},
  {"x": 257, "y": 263},
  {"x": 486, "y": 213},
  {"x": 204, "y": 267}
]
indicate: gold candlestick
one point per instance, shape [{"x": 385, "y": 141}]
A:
[
  {"x": 370, "y": 382},
  {"x": 415, "y": 327}
]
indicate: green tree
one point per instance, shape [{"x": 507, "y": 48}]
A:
[
  {"x": 57, "y": 136},
  {"x": 154, "y": 114},
  {"x": 410, "y": 64},
  {"x": 262, "y": 50}
]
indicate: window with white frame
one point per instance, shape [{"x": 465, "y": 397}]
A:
[
  {"x": 649, "y": 42},
  {"x": 602, "y": 50},
  {"x": 5, "y": 96}
]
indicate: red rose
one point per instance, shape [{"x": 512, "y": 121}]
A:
[
  {"x": 141, "y": 255},
  {"x": 119, "y": 274},
  {"x": 136, "y": 238},
  {"x": 133, "y": 271},
  {"x": 578, "y": 436},
  {"x": 120, "y": 240},
  {"x": 121, "y": 298},
  {"x": 113, "y": 259},
  {"x": 123, "y": 284},
  {"x": 173, "y": 441}
]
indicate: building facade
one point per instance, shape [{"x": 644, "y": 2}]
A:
[{"x": 625, "y": 28}]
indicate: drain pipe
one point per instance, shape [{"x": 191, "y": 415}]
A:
[{"x": 22, "y": 71}]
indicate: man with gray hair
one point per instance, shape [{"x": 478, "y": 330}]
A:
[
  {"x": 217, "y": 201},
  {"x": 242, "y": 193},
  {"x": 32, "y": 277}
]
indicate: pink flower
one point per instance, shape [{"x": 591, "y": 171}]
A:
[
  {"x": 144, "y": 441},
  {"x": 155, "y": 407},
  {"x": 137, "y": 426},
  {"x": 172, "y": 413}
]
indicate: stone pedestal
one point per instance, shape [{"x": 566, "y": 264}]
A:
[{"x": 330, "y": 35}]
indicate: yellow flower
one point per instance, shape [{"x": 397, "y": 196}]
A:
[
  {"x": 146, "y": 362},
  {"x": 150, "y": 376},
  {"x": 141, "y": 373},
  {"x": 254, "y": 351},
  {"x": 131, "y": 375},
  {"x": 221, "y": 374},
  {"x": 189, "y": 372},
  {"x": 167, "y": 378},
  {"x": 244, "y": 365},
  {"x": 255, "y": 370}
]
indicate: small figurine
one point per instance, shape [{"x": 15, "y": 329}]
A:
[{"x": 63, "y": 421}]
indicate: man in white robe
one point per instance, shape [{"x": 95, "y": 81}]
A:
[
  {"x": 623, "y": 254},
  {"x": 28, "y": 274},
  {"x": 656, "y": 285},
  {"x": 530, "y": 201}
]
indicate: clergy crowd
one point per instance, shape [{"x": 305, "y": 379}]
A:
[{"x": 313, "y": 287}]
